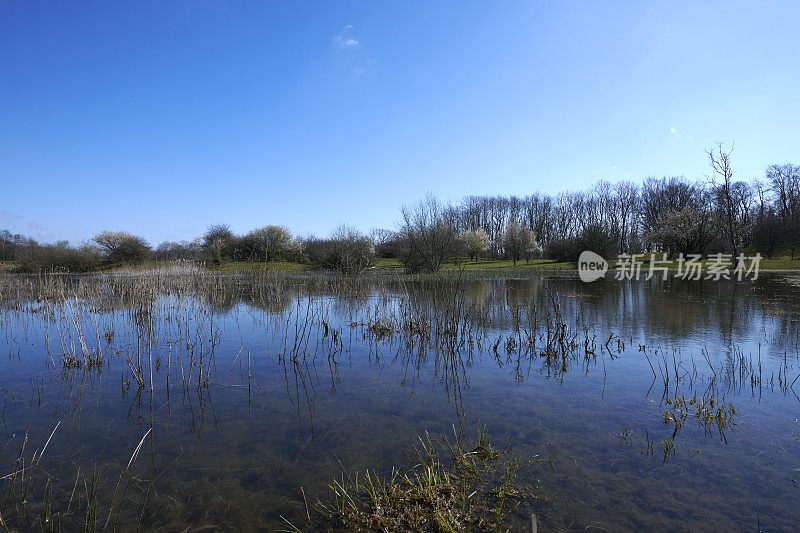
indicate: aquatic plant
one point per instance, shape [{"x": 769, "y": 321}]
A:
[{"x": 454, "y": 484}]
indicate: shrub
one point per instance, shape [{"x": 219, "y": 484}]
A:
[
  {"x": 594, "y": 238},
  {"x": 60, "y": 258},
  {"x": 219, "y": 243},
  {"x": 178, "y": 251},
  {"x": 428, "y": 237},
  {"x": 269, "y": 243},
  {"x": 563, "y": 250},
  {"x": 599, "y": 240},
  {"x": 388, "y": 244},
  {"x": 348, "y": 251},
  {"x": 119, "y": 247}
]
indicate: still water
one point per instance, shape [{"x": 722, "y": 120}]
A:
[{"x": 251, "y": 401}]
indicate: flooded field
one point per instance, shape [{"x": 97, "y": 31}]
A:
[{"x": 182, "y": 398}]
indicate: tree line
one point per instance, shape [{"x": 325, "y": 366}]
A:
[{"x": 671, "y": 214}]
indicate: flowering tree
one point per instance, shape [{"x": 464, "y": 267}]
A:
[
  {"x": 520, "y": 243},
  {"x": 477, "y": 242}
]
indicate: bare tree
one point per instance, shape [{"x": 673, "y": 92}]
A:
[
  {"x": 720, "y": 161},
  {"x": 785, "y": 183},
  {"x": 428, "y": 235},
  {"x": 538, "y": 209},
  {"x": 661, "y": 197},
  {"x": 626, "y": 202},
  {"x": 351, "y": 252},
  {"x": 178, "y": 251}
]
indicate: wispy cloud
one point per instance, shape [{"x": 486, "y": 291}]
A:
[
  {"x": 13, "y": 217},
  {"x": 676, "y": 133},
  {"x": 344, "y": 39},
  {"x": 356, "y": 58}
]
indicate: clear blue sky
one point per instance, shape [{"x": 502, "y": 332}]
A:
[{"x": 162, "y": 117}]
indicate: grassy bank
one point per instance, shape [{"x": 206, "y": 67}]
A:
[
  {"x": 783, "y": 264},
  {"x": 484, "y": 264},
  {"x": 778, "y": 264}
]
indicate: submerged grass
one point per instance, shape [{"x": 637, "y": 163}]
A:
[
  {"x": 455, "y": 483},
  {"x": 29, "y": 503}
]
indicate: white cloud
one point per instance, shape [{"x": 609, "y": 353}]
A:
[
  {"x": 676, "y": 133},
  {"x": 343, "y": 40}
]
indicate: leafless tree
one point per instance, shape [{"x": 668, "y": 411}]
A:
[
  {"x": 785, "y": 183},
  {"x": 428, "y": 235},
  {"x": 661, "y": 197},
  {"x": 178, "y": 251},
  {"x": 348, "y": 251},
  {"x": 720, "y": 161}
]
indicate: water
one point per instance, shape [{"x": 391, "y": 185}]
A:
[{"x": 243, "y": 424}]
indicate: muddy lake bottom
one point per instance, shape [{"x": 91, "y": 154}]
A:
[{"x": 176, "y": 401}]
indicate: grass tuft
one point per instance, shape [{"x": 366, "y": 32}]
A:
[{"x": 454, "y": 484}]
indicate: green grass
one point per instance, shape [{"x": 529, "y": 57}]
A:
[
  {"x": 779, "y": 264},
  {"x": 776, "y": 264},
  {"x": 506, "y": 264},
  {"x": 246, "y": 266},
  {"x": 147, "y": 265},
  {"x": 390, "y": 264},
  {"x": 484, "y": 264},
  {"x": 455, "y": 484},
  {"x": 382, "y": 262}
]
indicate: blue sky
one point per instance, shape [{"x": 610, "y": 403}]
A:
[{"x": 161, "y": 118}]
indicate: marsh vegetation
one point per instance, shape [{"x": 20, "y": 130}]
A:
[{"x": 182, "y": 397}]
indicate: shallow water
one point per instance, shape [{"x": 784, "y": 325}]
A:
[{"x": 246, "y": 420}]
